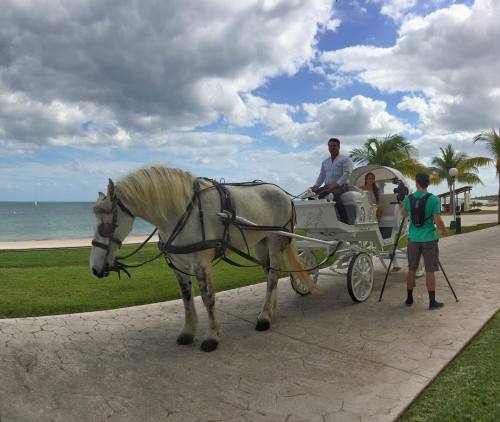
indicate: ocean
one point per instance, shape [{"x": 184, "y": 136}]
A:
[{"x": 53, "y": 220}]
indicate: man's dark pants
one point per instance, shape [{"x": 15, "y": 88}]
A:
[{"x": 338, "y": 191}]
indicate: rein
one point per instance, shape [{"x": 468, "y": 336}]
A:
[{"x": 220, "y": 245}]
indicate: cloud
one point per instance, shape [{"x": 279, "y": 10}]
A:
[
  {"x": 110, "y": 71},
  {"x": 333, "y": 24},
  {"x": 396, "y": 9},
  {"x": 80, "y": 178},
  {"x": 257, "y": 110},
  {"x": 351, "y": 120},
  {"x": 429, "y": 145},
  {"x": 448, "y": 60}
]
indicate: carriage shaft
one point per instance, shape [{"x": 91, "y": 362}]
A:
[{"x": 280, "y": 232}]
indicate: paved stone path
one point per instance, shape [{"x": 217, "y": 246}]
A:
[{"x": 324, "y": 359}]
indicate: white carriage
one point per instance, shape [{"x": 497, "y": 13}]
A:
[{"x": 358, "y": 242}]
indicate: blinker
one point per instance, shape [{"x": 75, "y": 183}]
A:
[{"x": 105, "y": 229}]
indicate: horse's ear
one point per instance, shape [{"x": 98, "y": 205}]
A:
[
  {"x": 102, "y": 197},
  {"x": 111, "y": 189}
]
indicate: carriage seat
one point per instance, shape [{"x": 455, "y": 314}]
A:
[{"x": 391, "y": 214}]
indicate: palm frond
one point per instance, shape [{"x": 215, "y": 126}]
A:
[
  {"x": 467, "y": 166},
  {"x": 411, "y": 167},
  {"x": 492, "y": 140},
  {"x": 359, "y": 155},
  {"x": 436, "y": 175},
  {"x": 474, "y": 162},
  {"x": 470, "y": 178}
]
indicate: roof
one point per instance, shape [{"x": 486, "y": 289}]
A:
[{"x": 457, "y": 191}]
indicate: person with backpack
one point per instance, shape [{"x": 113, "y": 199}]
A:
[{"x": 424, "y": 210}]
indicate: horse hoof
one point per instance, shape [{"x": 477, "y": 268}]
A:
[
  {"x": 262, "y": 325},
  {"x": 209, "y": 345},
  {"x": 185, "y": 338}
]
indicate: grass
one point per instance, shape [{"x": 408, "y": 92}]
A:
[
  {"x": 58, "y": 281},
  {"x": 468, "y": 389},
  {"x": 492, "y": 211},
  {"x": 468, "y": 229}
]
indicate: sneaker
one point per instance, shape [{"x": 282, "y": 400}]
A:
[{"x": 436, "y": 305}]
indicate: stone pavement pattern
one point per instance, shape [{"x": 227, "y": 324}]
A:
[{"x": 324, "y": 359}]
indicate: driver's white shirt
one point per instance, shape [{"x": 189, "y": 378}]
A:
[{"x": 338, "y": 170}]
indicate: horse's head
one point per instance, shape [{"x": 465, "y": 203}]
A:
[{"x": 114, "y": 223}]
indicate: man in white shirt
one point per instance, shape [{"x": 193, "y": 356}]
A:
[{"x": 335, "y": 173}]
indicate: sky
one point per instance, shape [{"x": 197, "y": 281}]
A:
[{"x": 235, "y": 90}]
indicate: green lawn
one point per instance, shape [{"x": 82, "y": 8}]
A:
[
  {"x": 59, "y": 281},
  {"x": 468, "y": 389},
  {"x": 491, "y": 211}
]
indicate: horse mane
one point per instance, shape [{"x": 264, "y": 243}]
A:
[{"x": 156, "y": 192}]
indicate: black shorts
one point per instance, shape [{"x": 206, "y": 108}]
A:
[{"x": 429, "y": 250}]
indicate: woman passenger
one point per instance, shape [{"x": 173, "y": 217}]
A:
[
  {"x": 374, "y": 197},
  {"x": 373, "y": 192}
]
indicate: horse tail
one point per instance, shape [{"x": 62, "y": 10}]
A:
[{"x": 295, "y": 264}]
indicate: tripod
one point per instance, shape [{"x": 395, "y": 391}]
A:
[{"x": 392, "y": 259}]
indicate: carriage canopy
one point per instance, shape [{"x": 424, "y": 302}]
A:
[{"x": 382, "y": 174}]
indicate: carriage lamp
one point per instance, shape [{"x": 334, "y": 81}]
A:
[{"x": 453, "y": 172}]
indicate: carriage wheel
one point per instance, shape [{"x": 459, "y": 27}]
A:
[
  {"x": 309, "y": 260},
  {"x": 360, "y": 277}
]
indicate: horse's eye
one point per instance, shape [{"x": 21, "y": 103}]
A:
[{"x": 105, "y": 229}]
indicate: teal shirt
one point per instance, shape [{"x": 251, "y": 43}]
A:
[{"x": 426, "y": 233}]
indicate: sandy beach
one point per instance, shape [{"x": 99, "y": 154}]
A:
[{"x": 64, "y": 243}]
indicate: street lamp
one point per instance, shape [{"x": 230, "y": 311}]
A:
[{"x": 456, "y": 220}]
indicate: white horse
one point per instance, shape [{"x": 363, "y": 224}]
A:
[{"x": 172, "y": 200}]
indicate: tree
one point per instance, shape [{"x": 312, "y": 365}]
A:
[
  {"x": 467, "y": 168},
  {"x": 393, "y": 151},
  {"x": 492, "y": 141}
]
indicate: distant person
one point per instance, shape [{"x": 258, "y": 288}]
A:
[
  {"x": 424, "y": 211},
  {"x": 335, "y": 173},
  {"x": 373, "y": 193}
]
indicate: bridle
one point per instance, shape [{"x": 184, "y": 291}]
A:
[{"x": 107, "y": 230}]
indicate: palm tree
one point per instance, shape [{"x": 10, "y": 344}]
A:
[
  {"x": 492, "y": 140},
  {"x": 467, "y": 168},
  {"x": 393, "y": 151}
]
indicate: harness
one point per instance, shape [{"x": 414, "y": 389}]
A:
[
  {"x": 167, "y": 248},
  {"x": 222, "y": 244}
]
